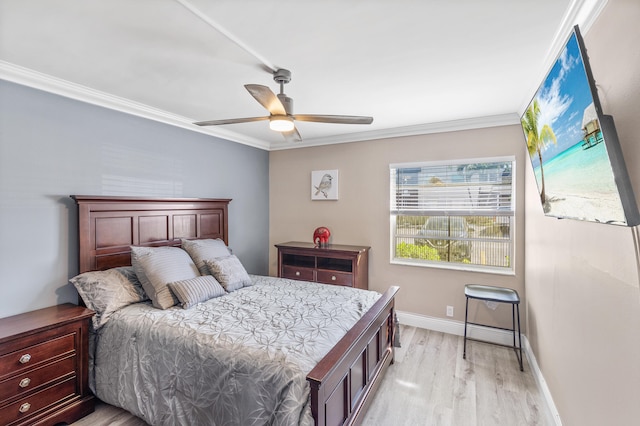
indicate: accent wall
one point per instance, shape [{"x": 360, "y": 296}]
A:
[{"x": 52, "y": 147}]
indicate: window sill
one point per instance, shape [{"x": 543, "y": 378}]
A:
[{"x": 454, "y": 266}]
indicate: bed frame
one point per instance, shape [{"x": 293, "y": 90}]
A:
[{"x": 344, "y": 381}]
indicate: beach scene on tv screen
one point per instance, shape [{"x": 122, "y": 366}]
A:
[{"x": 566, "y": 145}]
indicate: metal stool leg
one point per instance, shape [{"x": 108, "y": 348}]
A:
[
  {"x": 513, "y": 324},
  {"x": 466, "y": 313},
  {"x": 517, "y": 349},
  {"x": 519, "y": 338}
]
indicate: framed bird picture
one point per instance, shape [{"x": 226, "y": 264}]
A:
[{"x": 324, "y": 185}]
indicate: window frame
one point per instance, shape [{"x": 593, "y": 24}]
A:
[{"x": 395, "y": 213}]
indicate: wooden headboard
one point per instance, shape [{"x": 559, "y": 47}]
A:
[{"x": 108, "y": 226}]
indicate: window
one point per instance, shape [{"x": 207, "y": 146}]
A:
[{"x": 454, "y": 214}]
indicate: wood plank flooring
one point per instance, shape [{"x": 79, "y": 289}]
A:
[{"x": 430, "y": 384}]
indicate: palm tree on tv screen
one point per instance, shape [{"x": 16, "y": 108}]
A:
[{"x": 537, "y": 141}]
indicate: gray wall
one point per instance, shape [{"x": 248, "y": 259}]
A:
[{"x": 52, "y": 147}]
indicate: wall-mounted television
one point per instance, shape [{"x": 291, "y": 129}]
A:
[{"x": 574, "y": 147}]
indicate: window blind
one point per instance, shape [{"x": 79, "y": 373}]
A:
[{"x": 460, "y": 188}]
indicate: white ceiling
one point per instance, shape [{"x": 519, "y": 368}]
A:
[{"x": 416, "y": 66}]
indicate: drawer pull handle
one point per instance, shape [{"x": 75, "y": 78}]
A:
[
  {"x": 24, "y": 407},
  {"x": 25, "y": 358},
  {"x": 333, "y": 277},
  {"x": 25, "y": 382},
  {"x": 297, "y": 273}
]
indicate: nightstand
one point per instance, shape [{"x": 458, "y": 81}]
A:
[{"x": 44, "y": 363}]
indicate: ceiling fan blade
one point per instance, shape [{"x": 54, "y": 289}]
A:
[
  {"x": 267, "y": 98},
  {"x": 340, "y": 119},
  {"x": 292, "y": 136},
  {"x": 230, "y": 121}
]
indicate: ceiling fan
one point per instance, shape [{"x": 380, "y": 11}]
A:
[{"x": 281, "y": 117}]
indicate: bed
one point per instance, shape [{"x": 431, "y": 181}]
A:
[{"x": 335, "y": 389}]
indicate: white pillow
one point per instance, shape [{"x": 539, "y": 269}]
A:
[
  {"x": 229, "y": 272},
  {"x": 158, "y": 266},
  {"x": 201, "y": 250}
]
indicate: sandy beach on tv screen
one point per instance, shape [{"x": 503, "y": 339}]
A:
[
  {"x": 605, "y": 208},
  {"x": 579, "y": 184}
]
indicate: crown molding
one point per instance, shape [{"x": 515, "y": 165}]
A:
[
  {"x": 580, "y": 12},
  {"x": 47, "y": 83},
  {"x": 419, "y": 129},
  {"x": 34, "y": 79}
]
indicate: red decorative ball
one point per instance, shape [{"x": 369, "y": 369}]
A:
[{"x": 321, "y": 236}]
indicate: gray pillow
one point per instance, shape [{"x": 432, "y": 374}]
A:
[
  {"x": 107, "y": 291},
  {"x": 196, "y": 290},
  {"x": 158, "y": 266},
  {"x": 200, "y": 250},
  {"x": 229, "y": 272},
  {"x": 130, "y": 274}
]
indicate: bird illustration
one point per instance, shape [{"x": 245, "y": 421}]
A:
[{"x": 324, "y": 186}]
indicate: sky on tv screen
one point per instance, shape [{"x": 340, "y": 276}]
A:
[{"x": 563, "y": 98}]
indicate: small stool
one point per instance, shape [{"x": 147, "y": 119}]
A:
[{"x": 500, "y": 295}]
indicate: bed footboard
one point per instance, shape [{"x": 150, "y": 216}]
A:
[{"x": 344, "y": 381}]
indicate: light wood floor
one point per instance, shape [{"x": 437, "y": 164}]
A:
[{"x": 430, "y": 384}]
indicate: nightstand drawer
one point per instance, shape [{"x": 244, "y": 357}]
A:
[
  {"x": 333, "y": 277},
  {"x": 36, "y": 378},
  {"x": 297, "y": 273},
  {"x": 29, "y": 356},
  {"x": 31, "y": 404},
  {"x": 43, "y": 366}
]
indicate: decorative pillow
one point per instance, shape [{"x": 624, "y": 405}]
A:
[
  {"x": 196, "y": 290},
  {"x": 107, "y": 291},
  {"x": 200, "y": 250},
  {"x": 229, "y": 272},
  {"x": 158, "y": 266}
]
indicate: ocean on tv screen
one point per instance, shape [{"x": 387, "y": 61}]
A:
[{"x": 579, "y": 184}]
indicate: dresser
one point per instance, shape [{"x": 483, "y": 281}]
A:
[
  {"x": 334, "y": 264},
  {"x": 44, "y": 366}
]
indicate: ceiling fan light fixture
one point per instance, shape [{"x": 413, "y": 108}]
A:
[{"x": 281, "y": 123}]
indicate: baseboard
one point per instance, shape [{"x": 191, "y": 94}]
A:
[
  {"x": 552, "y": 411},
  {"x": 489, "y": 334}
]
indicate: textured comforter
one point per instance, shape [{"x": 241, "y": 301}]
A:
[{"x": 241, "y": 359}]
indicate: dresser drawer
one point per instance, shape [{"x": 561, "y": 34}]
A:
[
  {"x": 36, "y": 378},
  {"x": 297, "y": 273},
  {"x": 29, "y": 356},
  {"x": 33, "y": 403},
  {"x": 336, "y": 264},
  {"x": 333, "y": 277}
]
